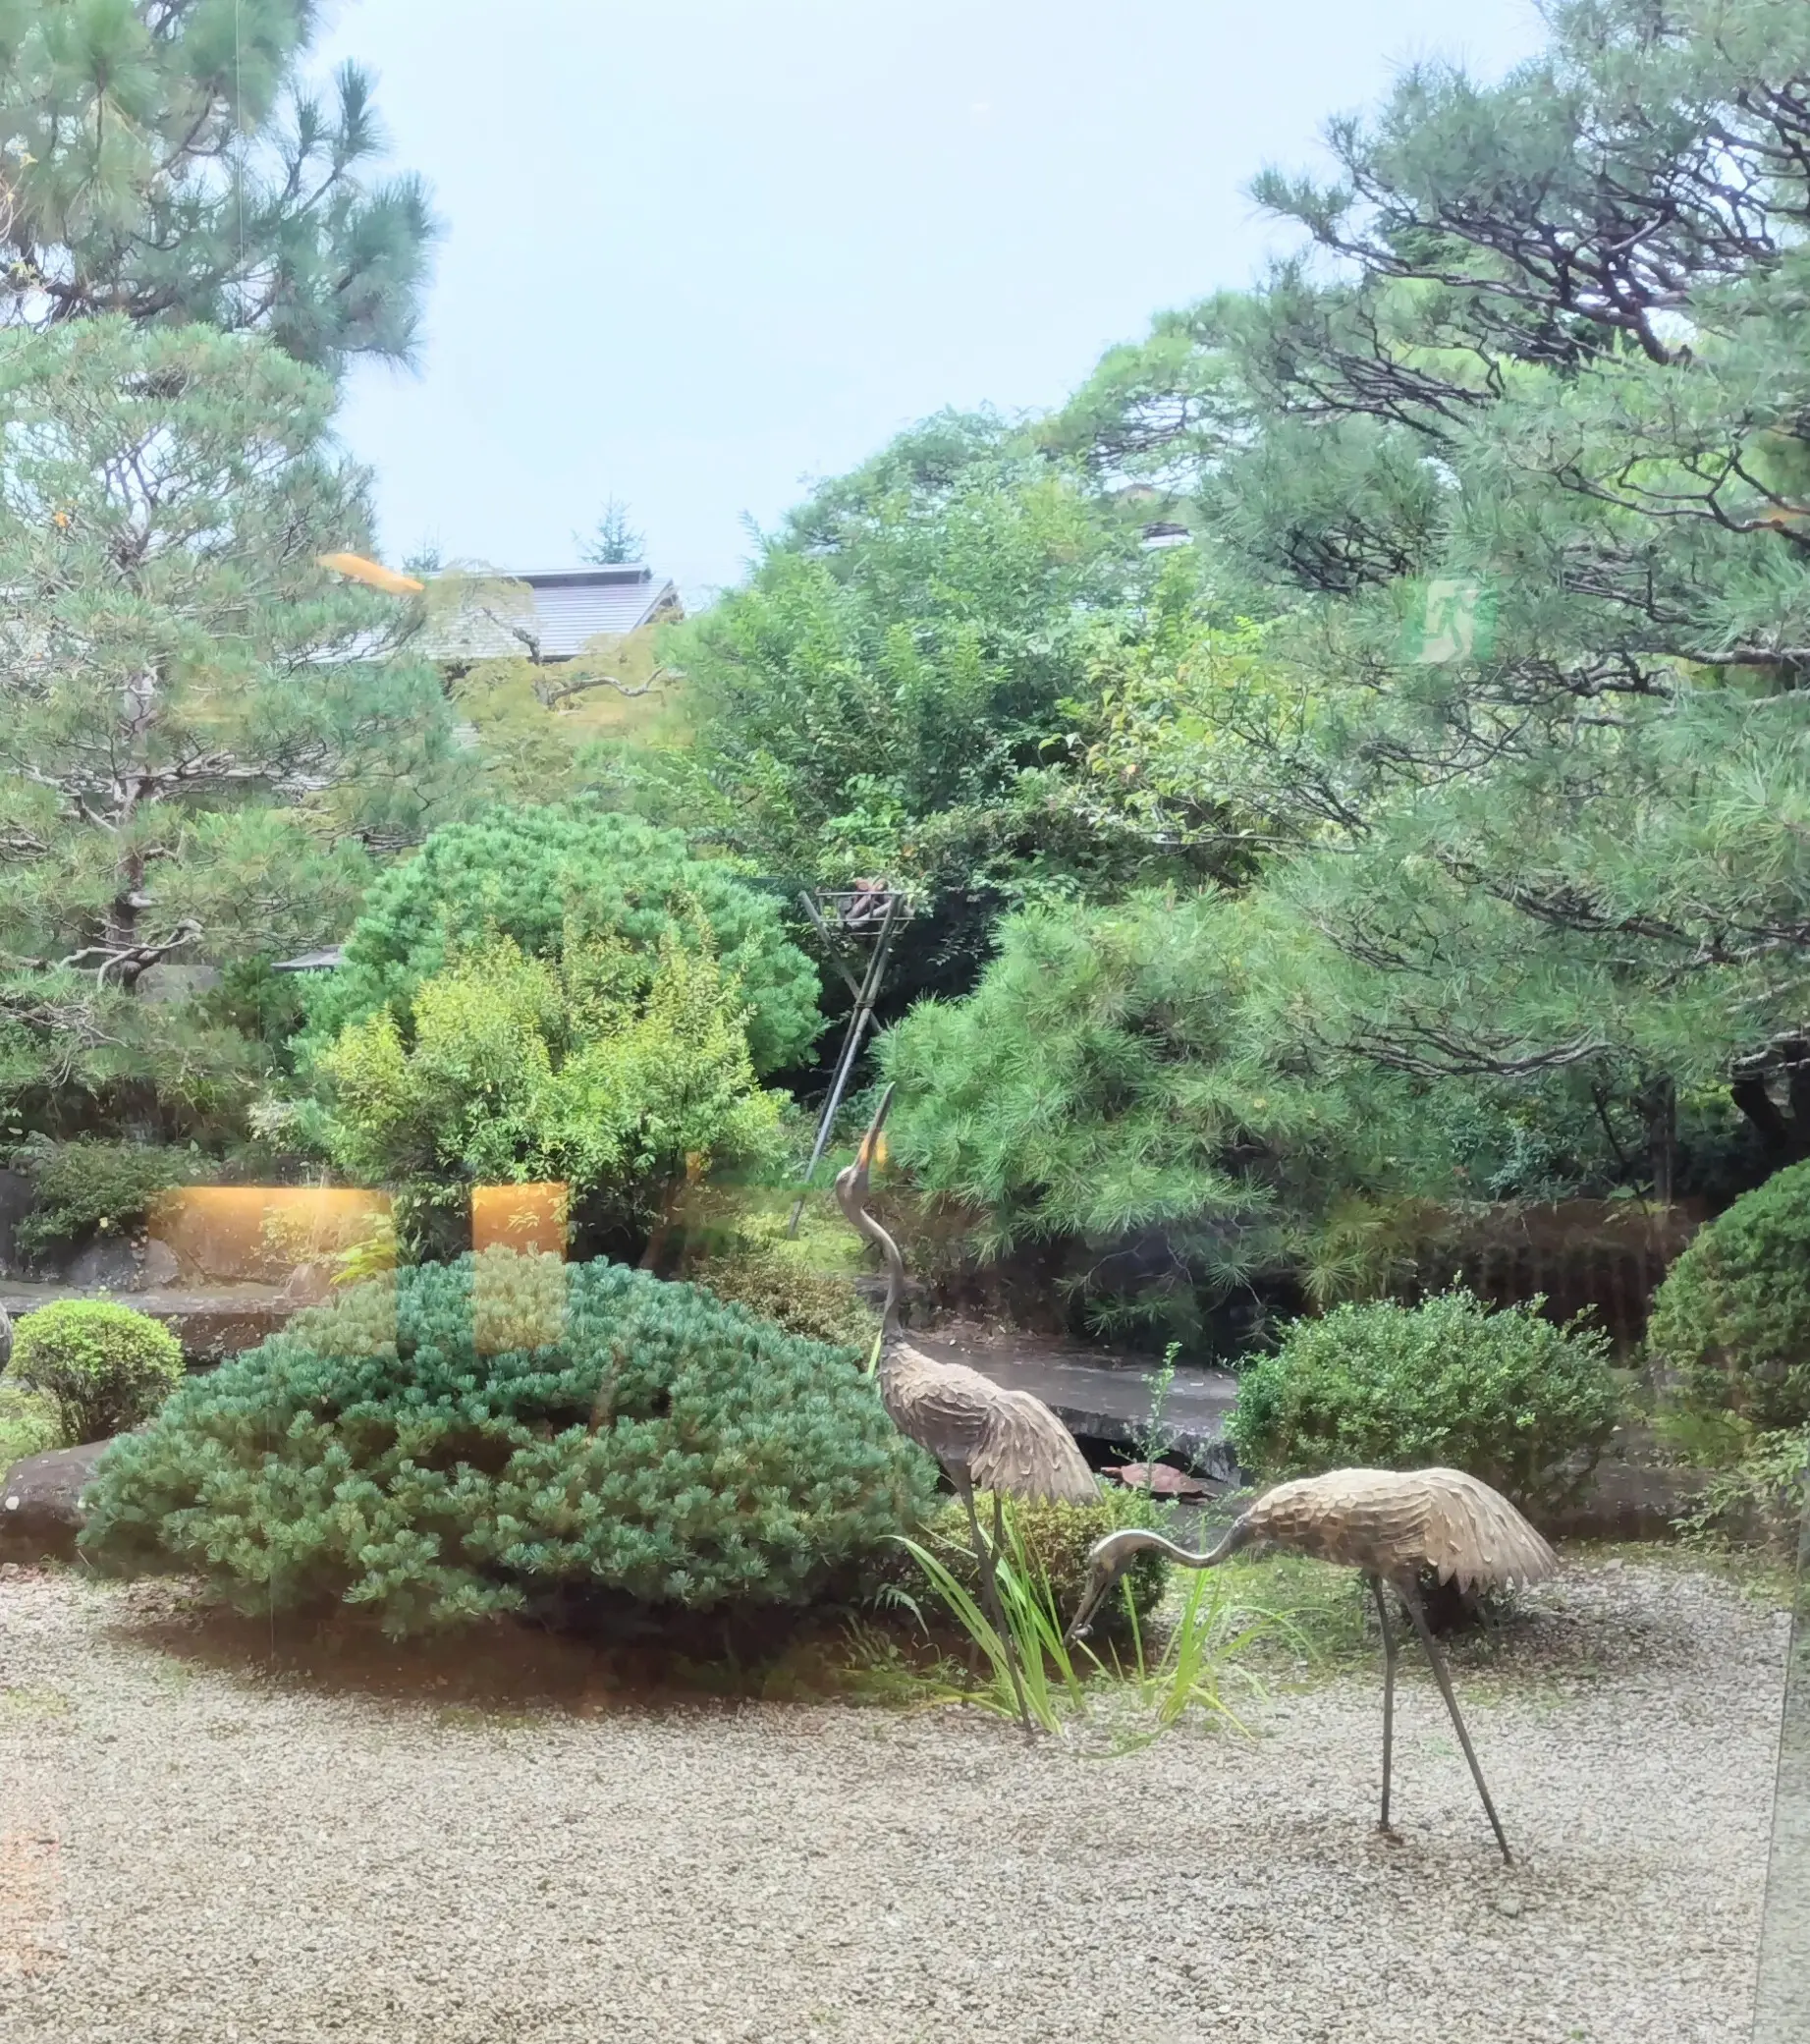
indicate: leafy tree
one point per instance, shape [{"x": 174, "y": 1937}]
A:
[
  {"x": 888, "y": 694},
  {"x": 508, "y": 1431},
  {"x": 1516, "y": 486},
  {"x": 609, "y": 1070},
  {"x": 190, "y": 767},
  {"x": 163, "y": 160},
  {"x": 615, "y": 541},
  {"x": 545, "y": 877}
]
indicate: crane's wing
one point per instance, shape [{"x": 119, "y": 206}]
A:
[
  {"x": 1026, "y": 1452},
  {"x": 1475, "y": 1534}
]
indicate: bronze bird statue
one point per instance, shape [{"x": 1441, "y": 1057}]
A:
[
  {"x": 985, "y": 1436},
  {"x": 1389, "y": 1524}
]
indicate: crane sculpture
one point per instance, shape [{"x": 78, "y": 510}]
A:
[
  {"x": 1389, "y": 1524},
  {"x": 985, "y": 1436}
]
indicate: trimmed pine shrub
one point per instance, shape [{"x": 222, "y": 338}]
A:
[
  {"x": 1730, "y": 1325},
  {"x": 106, "y": 1367},
  {"x": 474, "y": 1436},
  {"x": 1507, "y": 1397}
]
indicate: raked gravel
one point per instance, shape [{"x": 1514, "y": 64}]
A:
[{"x": 190, "y": 1848}]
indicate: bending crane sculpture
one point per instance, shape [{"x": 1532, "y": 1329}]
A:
[
  {"x": 1389, "y": 1524},
  {"x": 984, "y": 1435}
]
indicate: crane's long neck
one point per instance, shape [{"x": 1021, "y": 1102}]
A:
[
  {"x": 1234, "y": 1537},
  {"x": 848, "y": 1196},
  {"x": 1138, "y": 1539}
]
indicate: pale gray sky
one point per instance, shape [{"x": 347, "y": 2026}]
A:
[{"x": 699, "y": 252}]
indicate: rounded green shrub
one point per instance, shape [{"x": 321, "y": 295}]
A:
[
  {"x": 545, "y": 879},
  {"x": 1731, "y": 1325},
  {"x": 478, "y": 1435},
  {"x": 106, "y": 1367},
  {"x": 1505, "y": 1396}
]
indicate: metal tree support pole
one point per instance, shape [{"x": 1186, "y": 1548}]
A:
[{"x": 865, "y": 996}]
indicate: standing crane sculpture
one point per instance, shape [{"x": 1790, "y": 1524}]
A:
[
  {"x": 1389, "y": 1524},
  {"x": 985, "y": 1436}
]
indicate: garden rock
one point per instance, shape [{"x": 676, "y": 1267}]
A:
[
  {"x": 158, "y": 1266},
  {"x": 40, "y": 1501},
  {"x": 108, "y": 1264}
]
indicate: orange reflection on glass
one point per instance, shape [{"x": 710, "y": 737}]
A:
[
  {"x": 266, "y": 1234},
  {"x": 529, "y": 1219}
]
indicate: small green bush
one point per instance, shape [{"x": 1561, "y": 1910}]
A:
[
  {"x": 1505, "y": 1396},
  {"x": 106, "y": 1367},
  {"x": 1760, "y": 1497},
  {"x": 87, "y": 1187},
  {"x": 1731, "y": 1325},
  {"x": 29, "y": 1423},
  {"x": 475, "y": 1436},
  {"x": 1056, "y": 1539}
]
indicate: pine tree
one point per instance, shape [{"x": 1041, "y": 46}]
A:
[
  {"x": 1519, "y": 479},
  {"x": 163, "y": 159},
  {"x": 190, "y": 760}
]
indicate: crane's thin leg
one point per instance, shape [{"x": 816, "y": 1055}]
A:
[
  {"x": 1411, "y": 1597},
  {"x": 1389, "y": 1698},
  {"x": 989, "y": 1597}
]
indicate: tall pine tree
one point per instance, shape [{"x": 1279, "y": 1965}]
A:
[
  {"x": 163, "y": 159},
  {"x": 192, "y": 759}
]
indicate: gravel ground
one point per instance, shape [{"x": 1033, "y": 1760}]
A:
[{"x": 194, "y": 1848}]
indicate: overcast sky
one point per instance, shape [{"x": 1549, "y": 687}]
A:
[{"x": 699, "y": 252}]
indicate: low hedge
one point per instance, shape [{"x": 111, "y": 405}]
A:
[{"x": 1507, "y": 1396}]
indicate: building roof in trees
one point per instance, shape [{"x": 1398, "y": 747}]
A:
[{"x": 564, "y": 610}]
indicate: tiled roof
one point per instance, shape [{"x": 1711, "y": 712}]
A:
[{"x": 565, "y": 607}]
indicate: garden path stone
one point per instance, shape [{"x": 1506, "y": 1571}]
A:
[{"x": 212, "y": 1845}]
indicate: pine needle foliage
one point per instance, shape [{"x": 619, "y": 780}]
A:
[
  {"x": 1100, "y": 1089},
  {"x": 469, "y": 1438},
  {"x": 167, "y": 160}
]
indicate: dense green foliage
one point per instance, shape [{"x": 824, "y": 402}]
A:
[
  {"x": 1504, "y": 1396},
  {"x": 165, "y": 160},
  {"x": 889, "y": 692},
  {"x": 184, "y": 774},
  {"x": 1514, "y": 488},
  {"x": 550, "y": 878},
  {"x": 480, "y": 1434},
  {"x": 1106, "y": 1084},
  {"x": 822, "y": 1306},
  {"x": 106, "y": 1367},
  {"x": 604, "y": 1068},
  {"x": 1731, "y": 1325},
  {"x": 88, "y": 1187},
  {"x": 31, "y": 1423}
]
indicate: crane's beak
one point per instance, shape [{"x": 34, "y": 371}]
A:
[
  {"x": 1105, "y": 1574},
  {"x": 864, "y": 1156}
]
